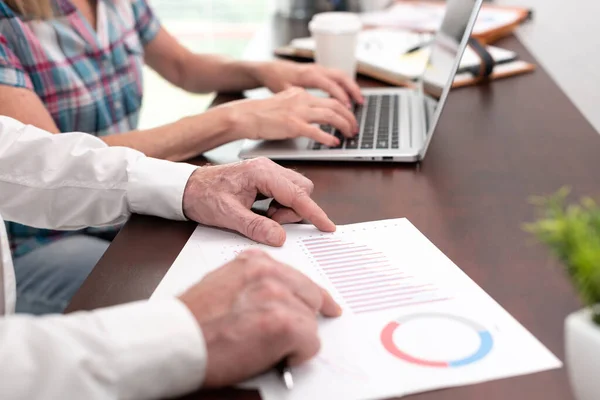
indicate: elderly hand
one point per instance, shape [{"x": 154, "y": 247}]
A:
[
  {"x": 280, "y": 75},
  {"x": 255, "y": 311},
  {"x": 222, "y": 196}
]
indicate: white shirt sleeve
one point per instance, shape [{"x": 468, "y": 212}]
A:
[
  {"x": 143, "y": 350},
  {"x": 75, "y": 180}
]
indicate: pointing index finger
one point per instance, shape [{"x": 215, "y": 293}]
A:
[
  {"x": 309, "y": 210},
  {"x": 290, "y": 195}
]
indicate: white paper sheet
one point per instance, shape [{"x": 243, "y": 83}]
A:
[{"x": 413, "y": 321}]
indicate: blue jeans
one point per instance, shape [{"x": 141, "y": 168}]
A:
[{"x": 49, "y": 276}]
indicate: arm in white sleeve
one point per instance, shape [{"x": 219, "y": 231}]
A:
[
  {"x": 145, "y": 350},
  {"x": 75, "y": 180}
]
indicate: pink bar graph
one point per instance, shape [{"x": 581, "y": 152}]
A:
[{"x": 365, "y": 278}]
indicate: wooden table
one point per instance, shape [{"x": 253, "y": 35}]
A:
[{"x": 496, "y": 146}]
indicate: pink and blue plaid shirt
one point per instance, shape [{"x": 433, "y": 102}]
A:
[{"x": 89, "y": 80}]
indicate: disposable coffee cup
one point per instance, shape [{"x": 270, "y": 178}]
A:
[{"x": 336, "y": 39}]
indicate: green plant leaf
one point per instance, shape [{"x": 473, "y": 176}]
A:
[{"x": 572, "y": 232}]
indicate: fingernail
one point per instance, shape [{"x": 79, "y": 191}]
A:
[
  {"x": 274, "y": 237},
  {"x": 333, "y": 226}
]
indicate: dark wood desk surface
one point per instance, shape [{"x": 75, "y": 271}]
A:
[{"x": 496, "y": 146}]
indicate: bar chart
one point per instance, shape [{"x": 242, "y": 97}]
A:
[{"x": 365, "y": 278}]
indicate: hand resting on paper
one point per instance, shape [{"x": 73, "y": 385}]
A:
[
  {"x": 222, "y": 196},
  {"x": 255, "y": 311}
]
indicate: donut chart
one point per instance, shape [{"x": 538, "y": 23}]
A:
[{"x": 485, "y": 346}]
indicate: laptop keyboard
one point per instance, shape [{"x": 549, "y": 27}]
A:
[{"x": 378, "y": 119}]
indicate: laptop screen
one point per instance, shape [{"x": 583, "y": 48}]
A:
[{"x": 446, "y": 50}]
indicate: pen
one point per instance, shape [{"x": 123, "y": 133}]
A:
[
  {"x": 418, "y": 47},
  {"x": 285, "y": 373}
]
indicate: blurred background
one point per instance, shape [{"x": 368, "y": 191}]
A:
[
  {"x": 563, "y": 37},
  {"x": 214, "y": 26}
]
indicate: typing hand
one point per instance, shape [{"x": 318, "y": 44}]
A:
[
  {"x": 280, "y": 75},
  {"x": 290, "y": 114},
  {"x": 255, "y": 311},
  {"x": 222, "y": 196}
]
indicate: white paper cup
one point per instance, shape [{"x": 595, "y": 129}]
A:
[{"x": 336, "y": 38}]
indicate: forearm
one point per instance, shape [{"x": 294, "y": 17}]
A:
[
  {"x": 198, "y": 73},
  {"x": 203, "y": 73},
  {"x": 78, "y": 181},
  {"x": 137, "y": 351},
  {"x": 181, "y": 140}
]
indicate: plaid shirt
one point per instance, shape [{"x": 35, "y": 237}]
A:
[{"x": 89, "y": 80}]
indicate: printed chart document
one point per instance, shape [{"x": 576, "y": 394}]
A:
[{"x": 413, "y": 321}]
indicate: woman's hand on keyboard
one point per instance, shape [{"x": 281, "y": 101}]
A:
[
  {"x": 290, "y": 114},
  {"x": 278, "y": 76}
]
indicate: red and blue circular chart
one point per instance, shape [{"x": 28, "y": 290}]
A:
[{"x": 456, "y": 341}]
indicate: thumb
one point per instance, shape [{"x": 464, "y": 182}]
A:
[
  {"x": 256, "y": 227},
  {"x": 280, "y": 85}
]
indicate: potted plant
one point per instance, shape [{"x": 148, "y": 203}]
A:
[{"x": 572, "y": 232}]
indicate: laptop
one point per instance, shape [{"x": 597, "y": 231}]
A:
[{"x": 396, "y": 124}]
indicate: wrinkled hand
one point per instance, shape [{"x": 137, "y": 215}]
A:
[
  {"x": 255, "y": 311},
  {"x": 222, "y": 196},
  {"x": 291, "y": 114},
  {"x": 280, "y": 75}
]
